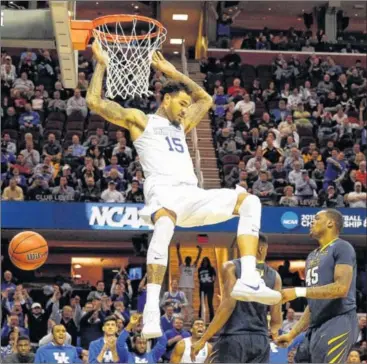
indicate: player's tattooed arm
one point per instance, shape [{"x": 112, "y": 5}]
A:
[
  {"x": 155, "y": 273},
  {"x": 343, "y": 275},
  {"x": 276, "y": 318},
  {"x": 302, "y": 324},
  {"x": 227, "y": 304},
  {"x": 202, "y": 100},
  {"x": 111, "y": 111}
]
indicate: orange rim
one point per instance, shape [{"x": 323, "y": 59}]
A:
[{"x": 91, "y": 25}]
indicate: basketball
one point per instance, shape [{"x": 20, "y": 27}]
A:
[{"x": 28, "y": 250}]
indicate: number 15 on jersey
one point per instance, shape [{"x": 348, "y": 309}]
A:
[{"x": 174, "y": 145}]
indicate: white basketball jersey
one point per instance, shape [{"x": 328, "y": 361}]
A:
[
  {"x": 200, "y": 358},
  {"x": 163, "y": 152}
]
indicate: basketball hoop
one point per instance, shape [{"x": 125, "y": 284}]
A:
[{"x": 129, "y": 53}]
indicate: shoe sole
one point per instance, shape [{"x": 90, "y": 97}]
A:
[
  {"x": 248, "y": 297},
  {"x": 151, "y": 335}
]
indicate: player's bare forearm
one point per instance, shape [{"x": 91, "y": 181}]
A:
[
  {"x": 109, "y": 110},
  {"x": 276, "y": 310},
  {"x": 343, "y": 276},
  {"x": 302, "y": 324},
  {"x": 202, "y": 101},
  {"x": 227, "y": 304}
]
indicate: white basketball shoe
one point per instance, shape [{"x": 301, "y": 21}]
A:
[
  {"x": 255, "y": 290},
  {"x": 151, "y": 322}
]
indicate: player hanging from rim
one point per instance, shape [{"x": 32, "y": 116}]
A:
[
  {"x": 331, "y": 316},
  {"x": 170, "y": 189},
  {"x": 182, "y": 351},
  {"x": 243, "y": 326}
]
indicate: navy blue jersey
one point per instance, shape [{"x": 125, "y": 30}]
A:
[
  {"x": 250, "y": 316},
  {"x": 320, "y": 267}
]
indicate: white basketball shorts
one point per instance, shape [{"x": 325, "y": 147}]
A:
[{"x": 192, "y": 205}]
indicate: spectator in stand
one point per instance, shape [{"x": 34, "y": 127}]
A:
[
  {"x": 57, "y": 351},
  {"x": 122, "y": 146},
  {"x": 246, "y": 106},
  {"x": 236, "y": 91},
  {"x": 325, "y": 87},
  {"x": 114, "y": 165},
  {"x": 293, "y": 159},
  {"x": 8, "y": 64},
  {"x": 289, "y": 322},
  {"x": 361, "y": 174},
  {"x": 221, "y": 102},
  {"x": 289, "y": 199},
  {"x": 279, "y": 176},
  {"x": 11, "y": 119},
  {"x": 23, "y": 84},
  {"x": 167, "y": 318},
  {"x": 29, "y": 120},
  {"x": 90, "y": 193},
  {"x": 91, "y": 323},
  {"x": 77, "y": 104},
  {"x": 102, "y": 138},
  {"x": 39, "y": 190},
  {"x": 105, "y": 349},
  {"x": 111, "y": 194},
  {"x": 82, "y": 82},
  {"x": 77, "y": 149},
  {"x": 175, "y": 335},
  {"x": 272, "y": 154},
  {"x": 281, "y": 113},
  {"x": 7, "y": 284},
  {"x": 295, "y": 173},
  {"x": 98, "y": 293},
  {"x": 264, "y": 189},
  {"x": 335, "y": 169},
  {"x": 232, "y": 60},
  {"x": 139, "y": 353},
  {"x": 302, "y": 117},
  {"x": 294, "y": 99},
  {"x": 331, "y": 198},
  {"x": 22, "y": 354},
  {"x": 38, "y": 318},
  {"x": 357, "y": 199},
  {"x": 8, "y": 144},
  {"x": 250, "y": 166},
  {"x": 63, "y": 192},
  {"x": 354, "y": 357},
  {"x": 56, "y": 104},
  {"x": 52, "y": 149},
  {"x": 207, "y": 276},
  {"x": 13, "y": 192},
  {"x": 306, "y": 189},
  {"x": 187, "y": 272},
  {"x": 31, "y": 156},
  {"x": 174, "y": 297},
  {"x": 38, "y": 101},
  {"x": 135, "y": 195},
  {"x": 318, "y": 174},
  {"x": 311, "y": 165}
]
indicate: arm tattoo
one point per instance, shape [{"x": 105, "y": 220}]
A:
[
  {"x": 339, "y": 288},
  {"x": 155, "y": 273}
]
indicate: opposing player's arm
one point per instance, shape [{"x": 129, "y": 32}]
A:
[
  {"x": 177, "y": 353},
  {"x": 202, "y": 100},
  {"x": 276, "y": 310},
  {"x": 343, "y": 275},
  {"x": 111, "y": 111},
  {"x": 227, "y": 304}
]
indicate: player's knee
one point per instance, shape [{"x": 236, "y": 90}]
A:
[
  {"x": 164, "y": 213},
  {"x": 162, "y": 235},
  {"x": 250, "y": 216}
]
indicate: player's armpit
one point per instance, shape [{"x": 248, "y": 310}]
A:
[
  {"x": 343, "y": 275},
  {"x": 177, "y": 353}
]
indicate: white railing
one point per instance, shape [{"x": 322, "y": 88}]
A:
[{"x": 194, "y": 136}]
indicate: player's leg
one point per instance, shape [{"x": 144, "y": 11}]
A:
[
  {"x": 258, "y": 348},
  {"x": 332, "y": 342},
  {"x": 157, "y": 258},
  {"x": 250, "y": 287},
  {"x": 228, "y": 349}
]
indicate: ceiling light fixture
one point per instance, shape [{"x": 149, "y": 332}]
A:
[
  {"x": 77, "y": 266},
  {"x": 269, "y": 9},
  {"x": 176, "y": 52},
  {"x": 175, "y": 41},
  {"x": 182, "y": 17},
  {"x": 77, "y": 276},
  {"x": 136, "y": 7}
]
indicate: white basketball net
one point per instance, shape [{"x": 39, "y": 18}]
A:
[{"x": 129, "y": 59}]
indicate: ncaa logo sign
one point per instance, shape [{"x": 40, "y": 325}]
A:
[{"x": 289, "y": 220}]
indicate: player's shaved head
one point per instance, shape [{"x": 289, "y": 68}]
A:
[{"x": 336, "y": 217}]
